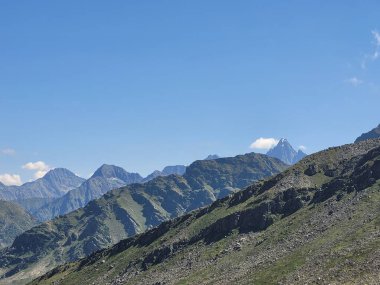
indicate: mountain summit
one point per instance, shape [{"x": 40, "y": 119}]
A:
[
  {"x": 116, "y": 172},
  {"x": 285, "y": 152}
]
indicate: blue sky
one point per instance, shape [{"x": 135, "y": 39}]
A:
[{"x": 144, "y": 84}]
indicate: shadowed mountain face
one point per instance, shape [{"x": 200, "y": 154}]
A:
[
  {"x": 54, "y": 184},
  {"x": 130, "y": 210},
  {"x": 286, "y": 153},
  {"x": 373, "y": 134},
  {"x": 315, "y": 223},
  {"x": 14, "y": 220}
]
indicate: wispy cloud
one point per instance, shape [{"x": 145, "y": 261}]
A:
[
  {"x": 354, "y": 81},
  {"x": 264, "y": 143},
  {"x": 376, "y": 36},
  {"x": 10, "y": 179},
  {"x": 376, "y": 53},
  {"x": 41, "y": 168},
  {"x": 8, "y": 151}
]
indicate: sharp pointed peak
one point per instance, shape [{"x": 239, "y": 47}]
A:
[{"x": 283, "y": 141}]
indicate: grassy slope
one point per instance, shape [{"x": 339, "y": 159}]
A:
[{"x": 332, "y": 238}]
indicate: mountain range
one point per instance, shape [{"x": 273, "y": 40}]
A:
[
  {"x": 315, "y": 223},
  {"x": 295, "y": 227},
  {"x": 105, "y": 178},
  {"x": 286, "y": 153},
  {"x": 127, "y": 211},
  {"x": 61, "y": 191}
]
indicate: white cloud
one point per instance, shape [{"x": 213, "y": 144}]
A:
[
  {"x": 264, "y": 143},
  {"x": 8, "y": 151},
  {"x": 302, "y": 147},
  {"x": 10, "y": 179},
  {"x": 354, "y": 81},
  {"x": 41, "y": 167},
  {"x": 38, "y": 165}
]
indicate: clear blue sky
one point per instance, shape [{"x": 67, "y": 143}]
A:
[{"x": 144, "y": 84}]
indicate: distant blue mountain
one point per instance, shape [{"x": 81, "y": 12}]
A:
[{"x": 286, "y": 153}]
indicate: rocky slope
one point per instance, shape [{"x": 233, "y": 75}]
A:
[
  {"x": 55, "y": 183},
  {"x": 286, "y": 153},
  {"x": 315, "y": 223},
  {"x": 14, "y": 220},
  {"x": 373, "y": 134},
  {"x": 129, "y": 211}
]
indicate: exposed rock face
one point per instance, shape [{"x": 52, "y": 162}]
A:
[
  {"x": 285, "y": 152},
  {"x": 373, "y": 134}
]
